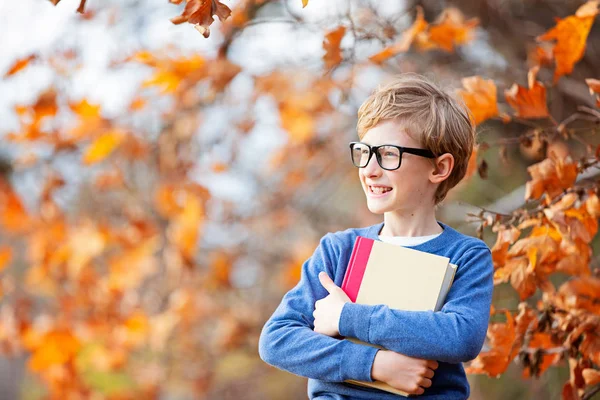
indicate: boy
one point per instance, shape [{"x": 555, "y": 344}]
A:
[{"x": 428, "y": 138}]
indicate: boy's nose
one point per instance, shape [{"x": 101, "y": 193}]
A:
[{"x": 372, "y": 168}]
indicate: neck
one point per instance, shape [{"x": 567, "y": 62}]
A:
[{"x": 410, "y": 223}]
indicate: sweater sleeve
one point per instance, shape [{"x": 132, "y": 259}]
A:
[
  {"x": 288, "y": 341},
  {"x": 454, "y": 334}
]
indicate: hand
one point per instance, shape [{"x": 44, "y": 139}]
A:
[
  {"x": 411, "y": 375},
  {"x": 329, "y": 309}
]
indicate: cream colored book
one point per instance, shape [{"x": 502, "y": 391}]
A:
[{"x": 399, "y": 277}]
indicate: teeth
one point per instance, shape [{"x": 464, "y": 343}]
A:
[{"x": 379, "y": 190}]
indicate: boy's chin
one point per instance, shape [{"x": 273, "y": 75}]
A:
[{"x": 377, "y": 208}]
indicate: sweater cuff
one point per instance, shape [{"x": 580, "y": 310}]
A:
[
  {"x": 357, "y": 361},
  {"x": 355, "y": 320}
]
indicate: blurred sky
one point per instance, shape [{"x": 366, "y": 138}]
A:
[{"x": 120, "y": 27}]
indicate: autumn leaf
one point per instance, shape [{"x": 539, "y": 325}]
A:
[
  {"x": 591, "y": 376},
  {"x": 103, "y": 146},
  {"x": 128, "y": 269},
  {"x": 494, "y": 362},
  {"x": 550, "y": 176},
  {"x": 14, "y": 217},
  {"x": 528, "y": 103},
  {"x": 80, "y": 9},
  {"x": 581, "y": 293},
  {"x": 522, "y": 277},
  {"x": 304, "y": 3},
  {"x": 479, "y": 96},
  {"x": 170, "y": 73},
  {"x": 56, "y": 347},
  {"x": 594, "y": 85},
  {"x": 5, "y": 257},
  {"x": 200, "y": 13},
  {"x": 542, "y": 341},
  {"x": 405, "y": 41},
  {"x": 184, "y": 228},
  {"x": 20, "y": 65},
  {"x": 505, "y": 237},
  {"x": 297, "y": 122},
  {"x": 331, "y": 45},
  {"x": 450, "y": 29},
  {"x": 571, "y": 34}
]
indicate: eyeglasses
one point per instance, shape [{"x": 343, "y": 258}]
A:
[{"x": 389, "y": 156}]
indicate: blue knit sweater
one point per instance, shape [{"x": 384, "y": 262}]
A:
[{"x": 451, "y": 336}]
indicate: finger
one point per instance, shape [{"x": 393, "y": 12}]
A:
[
  {"x": 429, "y": 373},
  {"x": 419, "y": 390},
  {"x": 432, "y": 364},
  {"x": 425, "y": 383},
  {"x": 327, "y": 283}
]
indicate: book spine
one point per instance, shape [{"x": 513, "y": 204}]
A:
[
  {"x": 348, "y": 275},
  {"x": 356, "y": 266}
]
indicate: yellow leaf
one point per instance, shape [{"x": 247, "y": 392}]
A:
[
  {"x": 304, "y": 3},
  {"x": 103, "y": 146},
  {"x": 167, "y": 80}
]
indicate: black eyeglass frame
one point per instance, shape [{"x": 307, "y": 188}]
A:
[{"x": 374, "y": 149}]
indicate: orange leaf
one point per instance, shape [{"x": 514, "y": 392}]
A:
[
  {"x": 304, "y": 3},
  {"x": 571, "y": 34},
  {"x": 5, "y": 257},
  {"x": 480, "y": 97},
  {"x": 494, "y": 362},
  {"x": 19, "y": 65},
  {"x": 85, "y": 110},
  {"x": 331, "y": 45},
  {"x": 297, "y": 122},
  {"x": 550, "y": 176},
  {"x": 103, "y": 146},
  {"x": 13, "y": 215},
  {"x": 405, "y": 41},
  {"x": 528, "y": 103},
  {"x": 200, "y": 13},
  {"x": 582, "y": 293},
  {"x": 450, "y": 29},
  {"x": 543, "y": 341},
  {"x": 56, "y": 347},
  {"x": 505, "y": 238},
  {"x": 522, "y": 278}
]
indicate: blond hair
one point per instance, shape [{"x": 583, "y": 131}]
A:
[{"x": 434, "y": 118}]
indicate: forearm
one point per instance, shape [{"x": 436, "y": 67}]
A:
[
  {"x": 446, "y": 337},
  {"x": 298, "y": 349}
]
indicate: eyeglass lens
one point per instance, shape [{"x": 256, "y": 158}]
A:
[{"x": 387, "y": 156}]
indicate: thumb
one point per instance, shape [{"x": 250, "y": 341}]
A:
[{"x": 327, "y": 283}]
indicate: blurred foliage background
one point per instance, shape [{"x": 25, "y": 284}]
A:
[{"x": 160, "y": 186}]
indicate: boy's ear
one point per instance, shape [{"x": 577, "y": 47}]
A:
[{"x": 443, "y": 166}]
